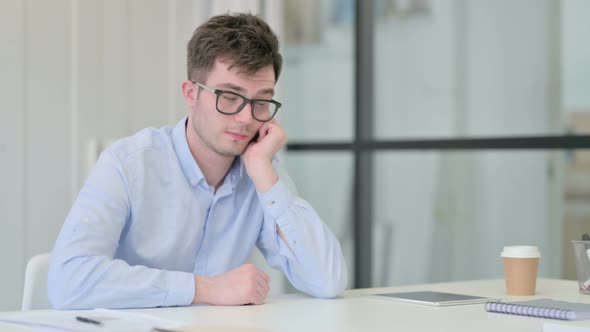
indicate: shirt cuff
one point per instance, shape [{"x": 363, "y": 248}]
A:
[
  {"x": 275, "y": 204},
  {"x": 276, "y": 201},
  {"x": 181, "y": 289}
]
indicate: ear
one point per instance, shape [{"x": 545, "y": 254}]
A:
[{"x": 189, "y": 92}]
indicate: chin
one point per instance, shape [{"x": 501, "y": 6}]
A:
[
  {"x": 231, "y": 152},
  {"x": 227, "y": 153}
]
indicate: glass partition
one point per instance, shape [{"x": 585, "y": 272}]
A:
[{"x": 317, "y": 79}]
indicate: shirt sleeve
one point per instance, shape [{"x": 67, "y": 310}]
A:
[
  {"x": 83, "y": 273},
  {"x": 312, "y": 259}
]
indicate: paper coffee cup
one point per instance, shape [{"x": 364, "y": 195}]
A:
[{"x": 521, "y": 264}]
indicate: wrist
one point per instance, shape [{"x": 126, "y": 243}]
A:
[
  {"x": 201, "y": 289},
  {"x": 265, "y": 181},
  {"x": 263, "y": 176}
]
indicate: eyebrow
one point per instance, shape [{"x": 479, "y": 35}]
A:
[{"x": 240, "y": 89}]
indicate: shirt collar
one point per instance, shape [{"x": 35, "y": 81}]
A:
[
  {"x": 236, "y": 172},
  {"x": 189, "y": 166}
]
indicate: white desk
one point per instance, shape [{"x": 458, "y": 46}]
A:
[{"x": 353, "y": 311}]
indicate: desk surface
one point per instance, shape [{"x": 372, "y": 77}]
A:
[{"x": 354, "y": 311}]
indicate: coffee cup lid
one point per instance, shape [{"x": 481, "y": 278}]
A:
[{"x": 521, "y": 252}]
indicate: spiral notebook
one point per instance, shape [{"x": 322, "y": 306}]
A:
[{"x": 543, "y": 308}]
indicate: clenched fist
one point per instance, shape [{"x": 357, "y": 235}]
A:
[{"x": 243, "y": 285}]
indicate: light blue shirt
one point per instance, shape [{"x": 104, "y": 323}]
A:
[{"x": 146, "y": 221}]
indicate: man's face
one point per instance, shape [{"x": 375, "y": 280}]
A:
[{"x": 229, "y": 135}]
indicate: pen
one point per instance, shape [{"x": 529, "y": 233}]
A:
[{"x": 88, "y": 320}]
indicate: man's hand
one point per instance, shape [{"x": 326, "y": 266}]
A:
[
  {"x": 258, "y": 155},
  {"x": 243, "y": 285}
]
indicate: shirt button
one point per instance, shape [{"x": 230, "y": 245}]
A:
[
  {"x": 85, "y": 219},
  {"x": 270, "y": 204}
]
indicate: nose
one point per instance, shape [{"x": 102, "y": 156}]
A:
[{"x": 245, "y": 115}]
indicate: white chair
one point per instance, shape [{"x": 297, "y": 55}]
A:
[{"x": 35, "y": 290}]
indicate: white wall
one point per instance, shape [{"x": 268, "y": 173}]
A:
[
  {"x": 35, "y": 124},
  {"x": 12, "y": 154}
]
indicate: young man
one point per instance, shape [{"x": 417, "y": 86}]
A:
[{"x": 169, "y": 216}]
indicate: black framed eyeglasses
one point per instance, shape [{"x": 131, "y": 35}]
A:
[{"x": 229, "y": 103}]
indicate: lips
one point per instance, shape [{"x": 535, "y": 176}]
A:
[{"x": 238, "y": 136}]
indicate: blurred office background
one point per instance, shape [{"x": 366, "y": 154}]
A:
[{"x": 76, "y": 75}]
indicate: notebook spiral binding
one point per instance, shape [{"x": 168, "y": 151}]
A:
[{"x": 531, "y": 311}]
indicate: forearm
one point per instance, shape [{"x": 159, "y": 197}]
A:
[
  {"x": 87, "y": 282},
  {"x": 264, "y": 177},
  {"x": 299, "y": 243},
  {"x": 318, "y": 267}
]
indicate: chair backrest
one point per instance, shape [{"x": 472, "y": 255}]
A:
[{"x": 35, "y": 290}]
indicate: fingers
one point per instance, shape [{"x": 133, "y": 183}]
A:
[
  {"x": 259, "y": 282},
  {"x": 263, "y": 284},
  {"x": 260, "y": 295},
  {"x": 257, "y": 294},
  {"x": 255, "y": 284},
  {"x": 263, "y": 131},
  {"x": 245, "y": 284},
  {"x": 264, "y": 276},
  {"x": 278, "y": 132}
]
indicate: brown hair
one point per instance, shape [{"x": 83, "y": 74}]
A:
[{"x": 245, "y": 39}]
